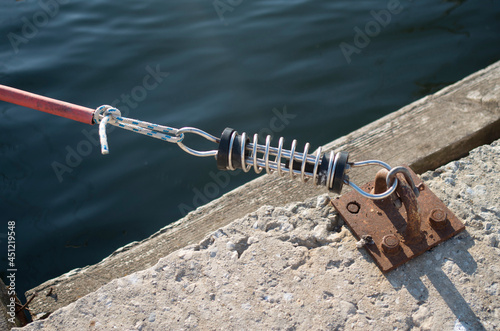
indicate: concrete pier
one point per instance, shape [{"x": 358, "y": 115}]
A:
[
  {"x": 425, "y": 134},
  {"x": 287, "y": 268}
]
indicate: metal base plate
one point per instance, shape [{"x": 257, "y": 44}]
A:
[{"x": 380, "y": 218}]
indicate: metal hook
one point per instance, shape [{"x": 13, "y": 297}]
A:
[
  {"x": 199, "y": 132},
  {"x": 390, "y": 190},
  {"x": 391, "y": 176}
]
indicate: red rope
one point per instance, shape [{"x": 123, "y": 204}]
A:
[{"x": 48, "y": 105}]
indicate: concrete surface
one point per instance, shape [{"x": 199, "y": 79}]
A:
[{"x": 288, "y": 268}]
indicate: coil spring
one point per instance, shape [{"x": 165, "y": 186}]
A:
[{"x": 236, "y": 151}]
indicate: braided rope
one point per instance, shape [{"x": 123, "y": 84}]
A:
[{"x": 109, "y": 115}]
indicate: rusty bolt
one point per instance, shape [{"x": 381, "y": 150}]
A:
[
  {"x": 353, "y": 207},
  {"x": 390, "y": 244},
  {"x": 438, "y": 218}
]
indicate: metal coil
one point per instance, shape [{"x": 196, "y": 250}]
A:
[{"x": 237, "y": 151}]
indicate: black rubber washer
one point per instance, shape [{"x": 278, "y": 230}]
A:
[
  {"x": 338, "y": 177},
  {"x": 223, "y": 151},
  {"x": 323, "y": 170}
]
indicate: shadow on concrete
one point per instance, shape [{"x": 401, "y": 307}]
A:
[{"x": 410, "y": 276}]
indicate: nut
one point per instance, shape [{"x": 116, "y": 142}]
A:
[
  {"x": 438, "y": 218},
  {"x": 390, "y": 244}
]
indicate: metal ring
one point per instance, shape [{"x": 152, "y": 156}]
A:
[
  {"x": 199, "y": 132},
  {"x": 278, "y": 157},
  {"x": 384, "y": 195},
  {"x": 304, "y": 163},
  {"x": 266, "y": 153},
  {"x": 316, "y": 164},
  {"x": 392, "y": 176},
  {"x": 329, "y": 175},
  {"x": 256, "y": 167},
  {"x": 242, "y": 147},
  {"x": 292, "y": 155}
]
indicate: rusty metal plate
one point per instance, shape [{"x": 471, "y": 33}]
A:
[{"x": 367, "y": 217}]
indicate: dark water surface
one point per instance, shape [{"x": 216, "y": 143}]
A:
[{"x": 239, "y": 68}]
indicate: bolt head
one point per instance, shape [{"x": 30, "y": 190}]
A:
[
  {"x": 438, "y": 218},
  {"x": 390, "y": 244}
]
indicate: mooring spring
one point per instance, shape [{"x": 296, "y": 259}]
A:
[
  {"x": 328, "y": 169},
  {"x": 237, "y": 152}
]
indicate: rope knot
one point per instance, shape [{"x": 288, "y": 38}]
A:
[
  {"x": 103, "y": 115},
  {"x": 105, "y": 110},
  {"x": 108, "y": 114}
]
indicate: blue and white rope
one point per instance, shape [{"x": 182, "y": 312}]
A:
[{"x": 107, "y": 114}]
